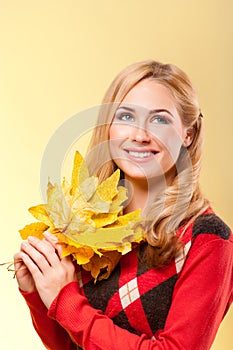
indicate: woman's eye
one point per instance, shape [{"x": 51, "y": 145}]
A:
[
  {"x": 158, "y": 119},
  {"x": 125, "y": 117}
]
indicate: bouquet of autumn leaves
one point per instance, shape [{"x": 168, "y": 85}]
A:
[{"x": 87, "y": 219}]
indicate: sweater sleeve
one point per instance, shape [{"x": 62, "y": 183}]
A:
[
  {"x": 201, "y": 297},
  {"x": 52, "y": 334}
]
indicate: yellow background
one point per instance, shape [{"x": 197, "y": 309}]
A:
[{"x": 57, "y": 58}]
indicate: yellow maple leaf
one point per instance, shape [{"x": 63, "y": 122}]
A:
[
  {"x": 116, "y": 205},
  {"x": 104, "y": 219},
  {"x": 40, "y": 213},
  {"x": 35, "y": 229},
  {"x": 87, "y": 219},
  {"x": 79, "y": 173},
  {"x": 101, "y": 267},
  {"x": 82, "y": 254},
  {"x": 107, "y": 190}
]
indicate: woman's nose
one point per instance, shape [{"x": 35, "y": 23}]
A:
[{"x": 140, "y": 135}]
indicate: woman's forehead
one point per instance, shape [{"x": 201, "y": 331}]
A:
[{"x": 149, "y": 95}]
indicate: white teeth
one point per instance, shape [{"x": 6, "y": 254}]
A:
[{"x": 140, "y": 154}]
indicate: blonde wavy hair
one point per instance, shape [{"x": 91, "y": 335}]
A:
[{"x": 182, "y": 201}]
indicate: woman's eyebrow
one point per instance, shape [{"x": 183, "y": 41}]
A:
[
  {"x": 159, "y": 110},
  {"x": 153, "y": 111},
  {"x": 126, "y": 108}
]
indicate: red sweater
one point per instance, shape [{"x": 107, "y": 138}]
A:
[{"x": 178, "y": 307}]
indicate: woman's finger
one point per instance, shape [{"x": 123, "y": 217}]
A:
[
  {"x": 51, "y": 238},
  {"x": 18, "y": 263},
  {"x": 54, "y": 241},
  {"x": 18, "y": 258},
  {"x": 43, "y": 253},
  {"x": 35, "y": 255},
  {"x": 31, "y": 266}
]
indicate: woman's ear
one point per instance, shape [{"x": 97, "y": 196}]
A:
[{"x": 189, "y": 136}]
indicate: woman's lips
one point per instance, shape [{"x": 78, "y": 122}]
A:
[{"x": 141, "y": 155}]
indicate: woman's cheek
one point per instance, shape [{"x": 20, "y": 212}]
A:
[
  {"x": 118, "y": 131},
  {"x": 170, "y": 142}
]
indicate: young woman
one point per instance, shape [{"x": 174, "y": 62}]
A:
[{"x": 172, "y": 291}]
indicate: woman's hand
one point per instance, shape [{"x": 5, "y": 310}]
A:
[
  {"x": 23, "y": 275},
  {"x": 49, "y": 272}
]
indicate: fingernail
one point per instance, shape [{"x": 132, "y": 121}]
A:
[
  {"x": 51, "y": 236},
  {"x": 31, "y": 238},
  {"x": 25, "y": 244}
]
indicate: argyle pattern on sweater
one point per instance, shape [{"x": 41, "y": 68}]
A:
[{"x": 138, "y": 298}]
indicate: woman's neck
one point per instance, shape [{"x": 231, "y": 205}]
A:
[{"x": 142, "y": 192}]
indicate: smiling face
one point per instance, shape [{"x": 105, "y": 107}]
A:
[{"x": 146, "y": 133}]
